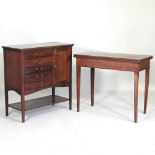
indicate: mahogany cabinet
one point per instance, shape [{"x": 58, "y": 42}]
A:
[{"x": 32, "y": 67}]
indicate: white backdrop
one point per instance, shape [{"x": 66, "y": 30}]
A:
[{"x": 126, "y": 26}]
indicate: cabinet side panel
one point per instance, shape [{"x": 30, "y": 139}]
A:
[
  {"x": 12, "y": 62},
  {"x": 63, "y": 63},
  {"x": 70, "y": 65}
]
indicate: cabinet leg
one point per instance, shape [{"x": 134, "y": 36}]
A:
[
  {"x": 136, "y": 80},
  {"x": 6, "y": 103},
  {"x": 23, "y": 107},
  {"x": 78, "y": 74},
  {"x": 92, "y": 72},
  {"x": 53, "y": 95},
  {"x": 70, "y": 97},
  {"x": 147, "y": 72}
]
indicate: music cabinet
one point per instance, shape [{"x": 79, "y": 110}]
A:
[{"x": 32, "y": 67}]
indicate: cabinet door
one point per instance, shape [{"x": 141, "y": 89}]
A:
[{"x": 63, "y": 61}]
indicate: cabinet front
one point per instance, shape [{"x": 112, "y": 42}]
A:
[{"x": 38, "y": 69}]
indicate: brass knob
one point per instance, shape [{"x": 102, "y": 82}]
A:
[
  {"x": 41, "y": 76},
  {"x": 37, "y": 69},
  {"x": 37, "y": 76},
  {"x": 41, "y": 68}
]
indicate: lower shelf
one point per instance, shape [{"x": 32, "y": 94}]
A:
[{"x": 38, "y": 102}]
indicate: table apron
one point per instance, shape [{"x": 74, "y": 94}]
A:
[{"x": 112, "y": 64}]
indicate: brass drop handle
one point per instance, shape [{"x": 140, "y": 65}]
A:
[
  {"x": 40, "y": 76},
  {"x": 39, "y": 68}
]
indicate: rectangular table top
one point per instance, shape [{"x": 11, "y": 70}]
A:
[{"x": 113, "y": 56}]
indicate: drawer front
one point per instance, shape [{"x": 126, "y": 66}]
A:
[
  {"x": 36, "y": 77},
  {"x": 36, "y": 53},
  {"x": 39, "y": 69},
  {"x": 38, "y": 85},
  {"x": 38, "y": 61}
]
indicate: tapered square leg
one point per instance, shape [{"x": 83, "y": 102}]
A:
[
  {"x": 6, "y": 103},
  {"x": 23, "y": 107},
  {"x": 92, "y": 75},
  {"x": 136, "y": 81},
  {"x": 147, "y": 74},
  {"x": 78, "y": 76},
  {"x": 53, "y": 95},
  {"x": 70, "y": 97}
]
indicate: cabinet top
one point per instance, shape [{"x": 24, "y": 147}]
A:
[{"x": 36, "y": 45}]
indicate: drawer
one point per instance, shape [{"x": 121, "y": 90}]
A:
[
  {"x": 38, "y": 85},
  {"x": 38, "y": 61},
  {"x": 45, "y": 76},
  {"x": 39, "y": 69},
  {"x": 36, "y": 53}
]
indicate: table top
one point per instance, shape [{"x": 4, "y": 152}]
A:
[
  {"x": 36, "y": 45},
  {"x": 113, "y": 56}
]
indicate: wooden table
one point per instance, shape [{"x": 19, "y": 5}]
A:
[{"x": 114, "y": 61}]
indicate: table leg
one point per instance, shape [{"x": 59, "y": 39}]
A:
[
  {"x": 147, "y": 74},
  {"x": 53, "y": 95},
  {"x": 78, "y": 76},
  {"x": 23, "y": 107},
  {"x": 92, "y": 72},
  {"x": 6, "y": 102},
  {"x": 70, "y": 97},
  {"x": 136, "y": 80}
]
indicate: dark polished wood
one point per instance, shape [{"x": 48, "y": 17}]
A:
[
  {"x": 136, "y": 81},
  {"x": 92, "y": 72},
  {"x": 6, "y": 103},
  {"x": 53, "y": 95},
  {"x": 23, "y": 107},
  {"x": 37, "y": 46},
  {"x": 78, "y": 77},
  {"x": 117, "y": 56},
  {"x": 147, "y": 74},
  {"x": 38, "y": 102},
  {"x": 114, "y": 61},
  {"x": 70, "y": 86},
  {"x": 32, "y": 67},
  {"x": 70, "y": 97}
]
